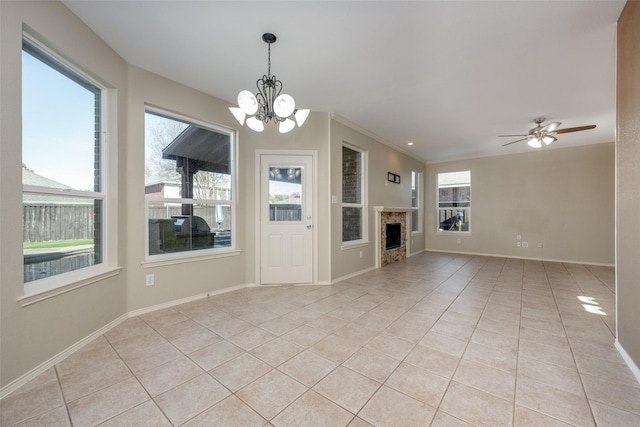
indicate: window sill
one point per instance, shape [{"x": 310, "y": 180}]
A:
[
  {"x": 39, "y": 293},
  {"x": 453, "y": 233},
  {"x": 360, "y": 244},
  {"x": 187, "y": 259},
  {"x": 417, "y": 233}
]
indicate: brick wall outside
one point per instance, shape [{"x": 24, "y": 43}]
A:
[{"x": 351, "y": 193}]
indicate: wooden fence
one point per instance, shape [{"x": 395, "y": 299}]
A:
[
  {"x": 67, "y": 222},
  {"x": 42, "y": 223}
]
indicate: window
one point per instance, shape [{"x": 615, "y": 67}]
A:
[
  {"x": 353, "y": 195},
  {"x": 63, "y": 195},
  {"x": 454, "y": 201},
  {"x": 188, "y": 186},
  {"x": 416, "y": 202}
]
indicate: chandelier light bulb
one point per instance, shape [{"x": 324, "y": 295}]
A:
[
  {"x": 548, "y": 139},
  {"x": 247, "y": 102},
  {"x": 255, "y": 124},
  {"x": 284, "y": 105},
  {"x": 238, "y": 114},
  {"x": 286, "y": 125},
  {"x": 268, "y": 103},
  {"x": 301, "y": 116}
]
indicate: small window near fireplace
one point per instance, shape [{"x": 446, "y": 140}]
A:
[{"x": 393, "y": 236}]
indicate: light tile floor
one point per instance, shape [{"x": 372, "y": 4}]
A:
[{"x": 436, "y": 340}]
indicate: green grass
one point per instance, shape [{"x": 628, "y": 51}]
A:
[{"x": 56, "y": 244}]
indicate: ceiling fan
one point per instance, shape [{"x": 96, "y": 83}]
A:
[{"x": 544, "y": 134}]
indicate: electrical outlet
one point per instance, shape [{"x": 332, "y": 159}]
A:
[
  {"x": 518, "y": 244},
  {"x": 518, "y": 237},
  {"x": 540, "y": 244},
  {"x": 525, "y": 244},
  {"x": 151, "y": 279},
  {"x": 459, "y": 241}
]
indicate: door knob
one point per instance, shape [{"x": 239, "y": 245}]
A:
[{"x": 308, "y": 226}]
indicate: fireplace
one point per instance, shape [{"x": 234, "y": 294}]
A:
[{"x": 394, "y": 236}]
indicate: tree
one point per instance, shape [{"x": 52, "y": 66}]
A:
[{"x": 160, "y": 132}]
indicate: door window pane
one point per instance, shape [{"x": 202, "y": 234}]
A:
[{"x": 285, "y": 193}]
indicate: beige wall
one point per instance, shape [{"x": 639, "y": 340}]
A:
[
  {"x": 562, "y": 198},
  {"x": 31, "y": 335},
  {"x": 182, "y": 280},
  {"x": 34, "y": 334},
  {"x": 381, "y": 159},
  {"x": 628, "y": 180}
]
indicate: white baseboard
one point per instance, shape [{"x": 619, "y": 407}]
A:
[
  {"x": 22, "y": 380},
  {"x": 566, "y": 261},
  {"x": 417, "y": 252},
  {"x": 350, "y": 275},
  {"x": 628, "y": 360},
  {"x": 173, "y": 303}
]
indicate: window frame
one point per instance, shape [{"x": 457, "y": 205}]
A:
[
  {"x": 417, "y": 178},
  {"x": 438, "y": 208},
  {"x": 363, "y": 205},
  {"x": 42, "y": 289},
  {"x": 208, "y": 253}
]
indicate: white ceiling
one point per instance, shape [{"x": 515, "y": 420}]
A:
[{"x": 447, "y": 75}]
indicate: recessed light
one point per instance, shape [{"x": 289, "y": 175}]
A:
[{"x": 409, "y": 143}]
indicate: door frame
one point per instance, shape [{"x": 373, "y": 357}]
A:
[{"x": 314, "y": 197}]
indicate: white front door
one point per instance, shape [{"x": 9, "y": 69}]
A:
[{"x": 286, "y": 222}]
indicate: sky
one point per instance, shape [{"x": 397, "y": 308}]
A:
[
  {"x": 57, "y": 125},
  {"x": 58, "y": 128}
]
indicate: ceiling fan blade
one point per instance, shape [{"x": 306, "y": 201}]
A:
[
  {"x": 500, "y": 136},
  {"x": 551, "y": 127},
  {"x": 513, "y": 142},
  {"x": 576, "y": 129}
]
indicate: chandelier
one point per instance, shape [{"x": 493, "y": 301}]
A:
[{"x": 268, "y": 104}]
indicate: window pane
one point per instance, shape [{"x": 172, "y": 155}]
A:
[
  {"x": 415, "y": 215},
  {"x": 60, "y": 125},
  {"x": 61, "y": 150},
  {"x": 60, "y": 234},
  {"x": 454, "y": 201},
  {"x": 186, "y": 161},
  {"x": 454, "y": 219},
  {"x": 285, "y": 193},
  {"x": 183, "y": 160},
  {"x": 454, "y": 178},
  {"x": 451, "y": 196},
  {"x": 351, "y": 176},
  {"x": 175, "y": 227},
  {"x": 351, "y": 224}
]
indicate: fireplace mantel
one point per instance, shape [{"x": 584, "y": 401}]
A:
[
  {"x": 379, "y": 210},
  {"x": 393, "y": 209}
]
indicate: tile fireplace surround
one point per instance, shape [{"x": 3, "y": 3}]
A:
[{"x": 389, "y": 215}]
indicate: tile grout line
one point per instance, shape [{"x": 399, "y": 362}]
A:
[{"x": 584, "y": 390}]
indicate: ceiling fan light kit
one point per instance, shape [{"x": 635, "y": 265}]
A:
[
  {"x": 269, "y": 103},
  {"x": 540, "y": 135}
]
